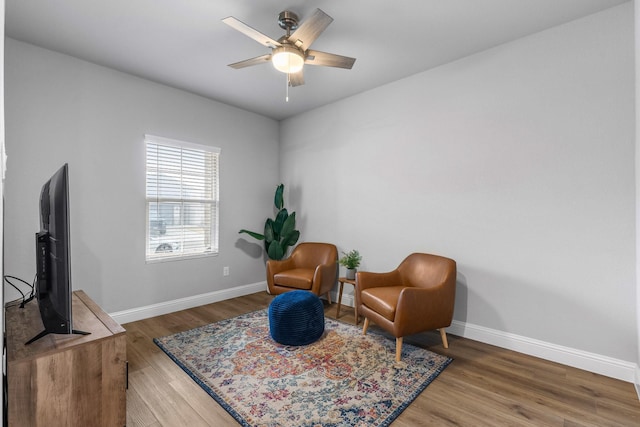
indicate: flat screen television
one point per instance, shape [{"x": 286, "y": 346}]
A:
[{"x": 53, "y": 258}]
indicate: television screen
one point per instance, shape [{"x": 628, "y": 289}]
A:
[{"x": 53, "y": 263}]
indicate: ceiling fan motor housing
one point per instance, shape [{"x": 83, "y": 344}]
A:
[{"x": 288, "y": 20}]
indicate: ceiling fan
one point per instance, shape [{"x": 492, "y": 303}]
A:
[{"x": 291, "y": 51}]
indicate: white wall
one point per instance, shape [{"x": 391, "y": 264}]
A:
[
  {"x": 4, "y": 367},
  {"x": 636, "y": 8},
  {"x": 60, "y": 109},
  {"x": 517, "y": 162}
]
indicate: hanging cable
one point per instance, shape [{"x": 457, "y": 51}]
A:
[
  {"x": 25, "y": 299},
  {"x": 287, "y": 90}
]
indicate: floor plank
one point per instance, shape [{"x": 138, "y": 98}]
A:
[{"x": 483, "y": 386}]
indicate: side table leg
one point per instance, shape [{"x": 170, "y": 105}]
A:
[{"x": 339, "y": 300}]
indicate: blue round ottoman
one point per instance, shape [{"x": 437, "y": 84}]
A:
[{"x": 296, "y": 318}]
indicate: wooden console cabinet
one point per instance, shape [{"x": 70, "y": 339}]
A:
[{"x": 66, "y": 380}]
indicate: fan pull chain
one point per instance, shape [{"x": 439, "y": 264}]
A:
[{"x": 287, "y": 90}]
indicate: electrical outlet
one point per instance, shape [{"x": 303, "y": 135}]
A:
[{"x": 225, "y": 271}]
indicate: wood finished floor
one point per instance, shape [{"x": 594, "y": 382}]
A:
[{"x": 483, "y": 386}]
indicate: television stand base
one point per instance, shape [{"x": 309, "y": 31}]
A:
[
  {"x": 45, "y": 332},
  {"x": 66, "y": 380}
]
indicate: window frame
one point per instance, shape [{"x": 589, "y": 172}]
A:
[{"x": 213, "y": 203}]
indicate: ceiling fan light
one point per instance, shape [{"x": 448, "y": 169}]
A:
[{"x": 287, "y": 59}]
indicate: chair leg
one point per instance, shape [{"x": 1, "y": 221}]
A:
[
  {"x": 398, "y": 349},
  {"x": 443, "y": 334},
  {"x": 329, "y": 297},
  {"x": 365, "y": 326}
]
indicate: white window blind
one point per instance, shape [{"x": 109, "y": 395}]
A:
[{"x": 182, "y": 199}]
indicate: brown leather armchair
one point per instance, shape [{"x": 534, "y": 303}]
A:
[
  {"x": 417, "y": 296},
  {"x": 311, "y": 266}
]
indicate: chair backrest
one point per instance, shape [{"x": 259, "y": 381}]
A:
[
  {"x": 312, "y": 254},
  {"x": 426, "y": 270}
]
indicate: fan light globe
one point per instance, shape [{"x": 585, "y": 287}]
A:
[{"x": 287, "y": 59}]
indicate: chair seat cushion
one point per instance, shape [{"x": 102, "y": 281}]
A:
[
  {"x": 382, "y": 300},
  {"x": 298, "y": 278}
]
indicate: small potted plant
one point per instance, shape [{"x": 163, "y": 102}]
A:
[{"x": 351, "y": 261}]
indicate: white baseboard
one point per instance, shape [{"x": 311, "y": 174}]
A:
[
  {"x": 603, "y": 365},
  {"x": 348, "y": 300},
  {"x": 592, "y": 362},
  {"x": 166, "y": 307},
  {"x": 637, "y": 381}
]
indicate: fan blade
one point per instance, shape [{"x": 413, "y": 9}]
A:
[
  {"x": 296, "y": 79},
  {"x": 253, "y": 61},
  {"x": 310, "y": 29},
  {"x": 251, "y": 32},
  {"x": 315, "y": 57}
]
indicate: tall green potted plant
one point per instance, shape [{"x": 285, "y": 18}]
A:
[{"x": 279, "y": 233}]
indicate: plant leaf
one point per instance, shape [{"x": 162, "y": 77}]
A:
[
  {"x": 289, "y": 225},
  {"x": 275, "y": 251},
  {"x": 268, "y": 230},
  {"x": 291, "y": 239},
  {"x": 252, "y": 234},
  {"x": 278, "y": 200},
  {"x": 281, "y": 218}
]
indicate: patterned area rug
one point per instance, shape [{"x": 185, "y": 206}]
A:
[{"x": 343, "y": 379}]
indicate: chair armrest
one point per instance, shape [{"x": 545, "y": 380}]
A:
[
  {"x": 324, "y": 278},
  {"x": 276, "y": 266},
  {"x": 367, "y": 279},
  {"x": 425, "y": 308}
]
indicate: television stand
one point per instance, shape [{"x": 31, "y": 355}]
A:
[
  {"x": 66, "y": 379},
  {"x": 45, "y": 333}
]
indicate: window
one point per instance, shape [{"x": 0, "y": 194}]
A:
[{"x": 182, "y": 199}]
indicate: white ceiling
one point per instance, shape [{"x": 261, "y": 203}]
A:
[{"x": 184, "y": 44}]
